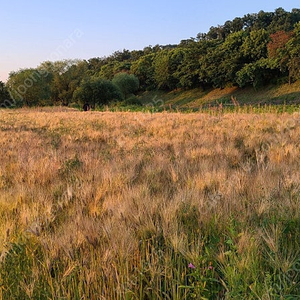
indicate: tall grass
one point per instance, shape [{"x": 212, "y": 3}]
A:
[{"x": 103, "y": 205}]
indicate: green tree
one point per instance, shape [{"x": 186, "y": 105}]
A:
[
  {"x": 64, "y": 84},
  {"x": 282, "y": 20},
  {"x": 262, "y": 20},
  {"x": 143, "y": 68},
  {"x": 128, "y": 84},
  {"x": 161, "y": 70},
  {"x": 222, "y": 60},
  {"x": 30, "y": 87},
  {"x": 166, "y": 64},
  {"x": 257, "y": 73},
  {"x": 187, "y": 72},
  {"x": 107, "y": 71},
  {"x": 255, "y": 45},
  {"x": 5, "y": 99},
  {"x": 293, "y": 48},
  {"x": 57, "y": 67},
  {"x": 232, "y": 56},
  {"x": 120, "y": 67},
  {"x": 176, "y": 60},
  {"x": 96, "y": 91},
  {"x": 206, "y": 61}
]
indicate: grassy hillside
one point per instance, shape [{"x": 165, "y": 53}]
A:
[
  {"x": 280, "y": 94},
  {"x": 149, "y": 206}
]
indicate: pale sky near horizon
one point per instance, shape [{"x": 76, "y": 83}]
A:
[{"x": 34, "y": 31}]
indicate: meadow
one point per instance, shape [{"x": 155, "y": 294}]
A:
[{"x": 133, "y": 205}]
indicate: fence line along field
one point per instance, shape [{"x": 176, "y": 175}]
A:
[{"x": 102, "y": 205}]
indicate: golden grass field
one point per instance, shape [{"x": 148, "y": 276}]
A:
[{"x": 102, "y": 205}]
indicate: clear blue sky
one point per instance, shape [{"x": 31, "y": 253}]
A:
[{"x": 34, "y": 31}]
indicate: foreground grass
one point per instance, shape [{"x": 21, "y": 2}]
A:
[{"x": 149, "y": 206}]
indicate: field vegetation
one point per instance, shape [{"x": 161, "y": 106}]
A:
[{"x": 103, "y": 205}]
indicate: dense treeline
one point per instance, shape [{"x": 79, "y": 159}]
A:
[{"x": 254, "y": 50}]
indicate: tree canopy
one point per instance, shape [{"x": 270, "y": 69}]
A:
[
  {"x": 5, "y": 99},
  {"x": 96, "y": 91},
  {"x": 127, "y": 83}
]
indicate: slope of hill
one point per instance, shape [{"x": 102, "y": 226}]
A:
[{"x": 271, "y": 94}]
